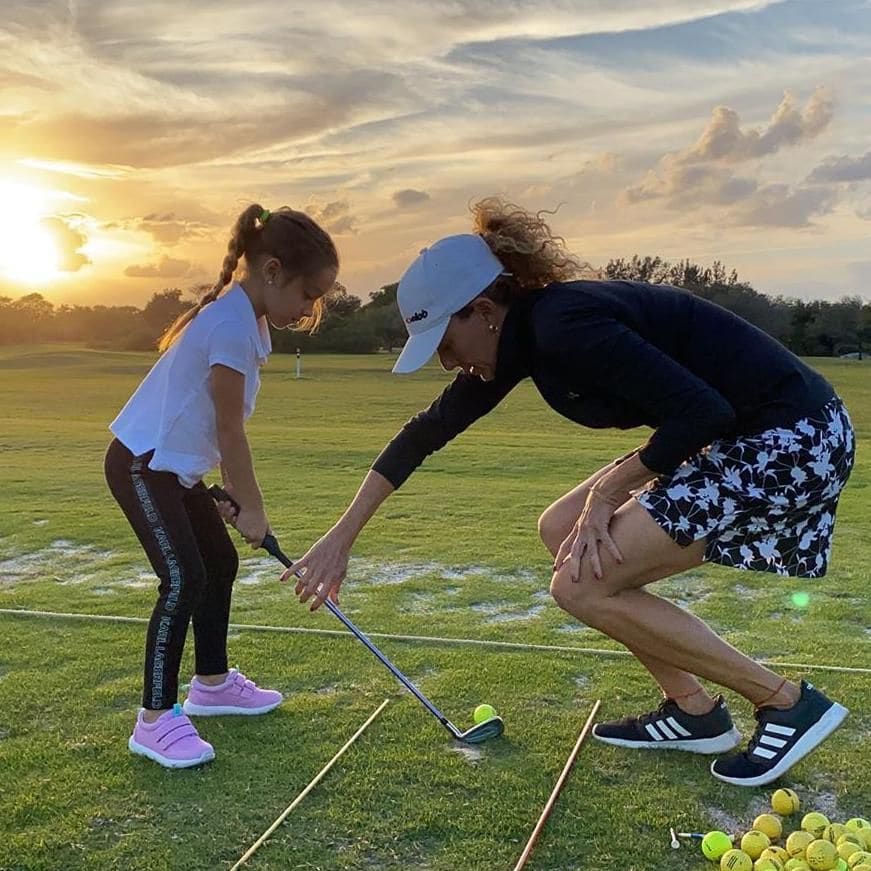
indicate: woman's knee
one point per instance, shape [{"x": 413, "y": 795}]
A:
[
  {"x": 584, "y": 598},
  {"x": 553, "y": 528}
]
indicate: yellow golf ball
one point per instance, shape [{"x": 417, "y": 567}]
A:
[
  {"x": 483, "y": 712},
  {"x": 797, "y": 843},
  {"x": 821, "y": 855},
  {"x": 785, "y": 802},
  {"x": 715, "y": 844},
  {"x": 815, "y": 823},
  {"x": 768, "y": 863},
  {"x": 736, "y": 860},
  {"x": 846, "y": 846},
  {"x": 754, "y": 842},
  {"x": 769, "y": 825}
]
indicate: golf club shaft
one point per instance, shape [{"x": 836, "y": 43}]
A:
[{"x": 270, "y": 544}]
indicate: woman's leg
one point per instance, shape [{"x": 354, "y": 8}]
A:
[
  {"x": 656, "y": 630},
  {"x": 554, "y": 525}
]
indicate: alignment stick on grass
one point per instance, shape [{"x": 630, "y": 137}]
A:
[
  {"x": 557, "y": 789},
  {"x": 320, "y": 776}
]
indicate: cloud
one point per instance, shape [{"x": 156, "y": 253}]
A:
[
  {"x": 166, "y": 267},
  {"x": 843, "y": 168},
  {"x": 169, "y": 229},
  {"x": 701, "y": 175},
  {"x": 69, "y": 241},
  {"x": 779, "y": 205},
  {"x": 409, "y": 197},
  {"x": 334, "y": 217},
  {"x": 723, "y": 139},
  {"x": 687, "y": 185}
]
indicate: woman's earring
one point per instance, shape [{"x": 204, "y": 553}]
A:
[{"x": 493, "y": 328}]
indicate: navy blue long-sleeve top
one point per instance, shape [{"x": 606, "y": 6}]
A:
[{"x": 625, "y": 354}]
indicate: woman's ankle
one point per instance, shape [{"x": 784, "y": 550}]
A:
[{"x": 696, "y": 703}]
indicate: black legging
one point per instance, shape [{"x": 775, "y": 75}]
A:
[{"x": 193, "y": 556}]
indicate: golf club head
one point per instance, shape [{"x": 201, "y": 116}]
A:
[{"x": 481, "y": 732}]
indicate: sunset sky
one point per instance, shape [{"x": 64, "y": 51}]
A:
[{"x": 132, "y": 133}]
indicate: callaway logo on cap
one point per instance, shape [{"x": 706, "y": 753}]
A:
[{"x": 442, "y": 280}]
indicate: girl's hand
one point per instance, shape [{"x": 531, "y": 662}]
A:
[
  {"x": 252, "y": 524},
  {"x": 227, "y": 510},
  {"x": 323, "y": 568},
  {"x": 590, "y": 531}
]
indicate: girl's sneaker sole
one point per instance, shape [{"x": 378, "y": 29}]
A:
[
  {"x": 706, "y": 746},
  {"x": 814, "y": 736},
  {"x": 193, "y": 710},
  {"x": 140, "y": 750}
]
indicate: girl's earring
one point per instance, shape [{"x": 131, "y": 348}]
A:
[{"x": 493, "y": 328}]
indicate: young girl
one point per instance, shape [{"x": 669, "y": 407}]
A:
[
  {"x": 749, "y": 453},
  {"x": 185, "y": 418}
]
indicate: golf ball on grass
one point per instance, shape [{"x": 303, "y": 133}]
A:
[
  {"x": 768, "y": 863},
  {"x": 769, "y": 825},
  {"x": 785, "y": 802},
  {"x": 754, "y": 842},
  {"x": 821, "y": 855},
  {"x": 736, "y": 860},
  {"x": 715, "y": 844},
  {"x": 483, "y": 712},
  {"x": 815, "y": 823}
]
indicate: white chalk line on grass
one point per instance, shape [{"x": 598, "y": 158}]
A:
[{"x": 425, "y": 639}]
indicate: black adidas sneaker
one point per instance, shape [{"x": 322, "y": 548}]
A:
[
  {"x": 781, "y": 739},
  {"x": 670, "y": 728}
]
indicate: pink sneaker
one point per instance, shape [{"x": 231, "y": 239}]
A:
[
  {"x": 236, "y": 695},
  {"x": 171, "y": 740}
]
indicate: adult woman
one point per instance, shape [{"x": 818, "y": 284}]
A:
[{"x": 749, "y": 453}]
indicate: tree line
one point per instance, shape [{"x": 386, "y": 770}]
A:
[{"x": 806, "y": 327}]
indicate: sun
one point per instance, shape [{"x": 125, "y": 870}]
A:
[{"x": 28, "y": 252}]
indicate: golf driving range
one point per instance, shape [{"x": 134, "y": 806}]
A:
[{"x": 449, "y": 583}]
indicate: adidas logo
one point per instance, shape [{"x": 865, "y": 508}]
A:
[
  {"x": 769, "y": 739},
  {"x": 667, "y": 729}
]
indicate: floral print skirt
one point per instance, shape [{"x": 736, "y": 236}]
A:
[{"x": 763, "y": 502}]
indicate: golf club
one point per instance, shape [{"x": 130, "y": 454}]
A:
[{"x": 491, "y": 728}]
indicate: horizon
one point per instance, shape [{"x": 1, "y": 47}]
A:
[{"x": 730, "y": 130}]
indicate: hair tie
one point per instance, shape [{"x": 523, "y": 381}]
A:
[{"x": 264, "y": 216}]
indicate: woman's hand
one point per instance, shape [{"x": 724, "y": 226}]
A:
[
  {"x": 589, "y": 532},
  {"x": 323, "y": 568}
]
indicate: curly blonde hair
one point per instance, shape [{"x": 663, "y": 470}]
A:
[
  {"x": 526, "y": 245},
  {"x": 298, "y": 241}
]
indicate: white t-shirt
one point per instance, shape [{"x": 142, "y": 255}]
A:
[{"x": 172, "y": 411}]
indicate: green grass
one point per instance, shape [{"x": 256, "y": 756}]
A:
[{"x": 464, "y": 528}]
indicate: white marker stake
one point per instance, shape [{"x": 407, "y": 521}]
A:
[{"x": 298, "y": 364}]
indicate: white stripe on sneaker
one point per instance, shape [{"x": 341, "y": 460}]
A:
[
  {"x": 767, "y": 754},
  {"x": 772, "y": 742},
  {"x": 779, "y": 730},
  {"x": 665, "y": 730},
  {"x": 677, "y": 727},
  {"x": 653, "y": 733}
]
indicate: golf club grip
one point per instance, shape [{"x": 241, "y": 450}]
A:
[{"x": 269, "y": 543}]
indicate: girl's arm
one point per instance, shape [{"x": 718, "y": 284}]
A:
[{"x": 228, "y": 394}]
